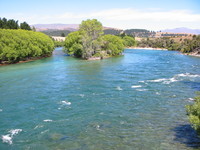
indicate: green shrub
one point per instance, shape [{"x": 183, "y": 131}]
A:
[
  {"x": 16, "y": 45},
  {"x": 193, "y": 111},
  {"x": 113, "y": 44},
  {"x": 129, "y": 41}
]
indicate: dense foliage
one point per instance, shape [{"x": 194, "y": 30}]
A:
[
  {"x": 113, "y": 44},
  {"x": 129, "y": 41},
  {"x": 89, "y": 41},
  {"x": 73, "y": 44},
  {"x": 91, "y": 31},
  {"x": 12, "y": 24},
  {"x": 193, "y": 45},
  {"x": 58, "y": 43},
  {"x": 16, "y": 45},
  {"x": 185, "y": 46},
  {"x": 193, "y": 112},
  {"x": 157, "y": 43}
]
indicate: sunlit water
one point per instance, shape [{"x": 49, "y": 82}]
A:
[{"x": 134, "y": 101}]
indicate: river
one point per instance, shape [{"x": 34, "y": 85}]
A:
[{"x": 134, "y": 101}]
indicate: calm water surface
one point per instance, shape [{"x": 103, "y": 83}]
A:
[{"x": 135, "y": 101}]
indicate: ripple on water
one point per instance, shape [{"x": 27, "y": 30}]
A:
[
  {"x": 47, "y": 120},
  {"x": 8, "y": 138},
  {"x": 119, "y": 88},
  {"x": 136, "y": 86}
]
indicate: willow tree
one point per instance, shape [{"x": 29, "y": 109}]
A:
[
  {"x": 17, "y": 45},
  {"x": 91, "y": 31}
]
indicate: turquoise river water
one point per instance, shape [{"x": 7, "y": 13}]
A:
[{"x": 135, "y": 101}]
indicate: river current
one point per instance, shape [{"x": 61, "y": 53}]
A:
[{"x": 133, "y": 101}]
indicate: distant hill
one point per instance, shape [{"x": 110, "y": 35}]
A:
[
  {"x": 139, "y": 33},
  {"x": 183, "y": 30},
  {"x": 53, "y": 32},
  {"x": 112, "y": 31},
  {"x": 58, "y": 29},
  {"x": 107, "y": 30},
  {"x": 43, "y": 27},
  {"x": 56, "y": 32}
]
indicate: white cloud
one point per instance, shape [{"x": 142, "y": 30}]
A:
[
  {"x": 131, "y": 14},
  {"x": 154, "y": 19}
]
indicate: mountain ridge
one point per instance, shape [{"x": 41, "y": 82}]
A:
[
  {"x": 57, "y": 26},
  {"x": 60, "y": 26},
  {"x": 182, "y": 30}
]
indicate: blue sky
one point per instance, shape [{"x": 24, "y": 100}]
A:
[{"x": 148, "y": 14}]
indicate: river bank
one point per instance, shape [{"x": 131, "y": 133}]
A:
[
  {"x": 5, "y": 63},
  {"x": 196, "y": 54},
  {"x": 147, "y": 48}
]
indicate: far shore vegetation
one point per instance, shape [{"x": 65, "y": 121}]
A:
[{"x": 186, "y": 45}]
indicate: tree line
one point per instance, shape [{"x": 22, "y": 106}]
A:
[
  {"x": 12, "y": 24},
  {"x": 89, "y": 41},
  {"x": 183, "y": 45},
  {"x": 139, "y": 33},
  {"x": 61, "y": 33}
]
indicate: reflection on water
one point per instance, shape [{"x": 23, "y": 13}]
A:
[{"x": 185, "y": 134}]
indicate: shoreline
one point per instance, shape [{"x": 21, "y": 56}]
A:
[
  {"x": 98, "y": 58},
  {"x": 192, "y": 54},
  {"x": 23, "y": 61},
  {"x": 147, "y": 48},
  {"x": 151, "y": 48}
]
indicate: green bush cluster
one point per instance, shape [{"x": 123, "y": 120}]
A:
[
  {"x": 129, "y": 41},
  {"x": 193, "y": 111},
  {"x": 58, "y": 43},
  {"x": 113, "y": 44},
  {"x": 17, "y": 45},
  {"x": 89, "y": 41}
]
